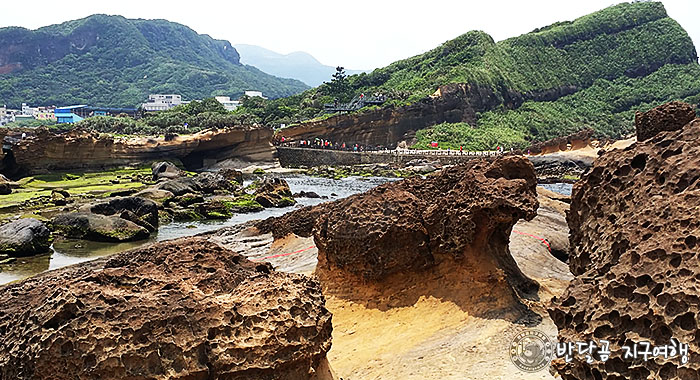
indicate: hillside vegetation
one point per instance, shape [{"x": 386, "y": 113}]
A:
[
  {"x": 113, "y": 61},
  {"x": 594, "y": 71}
]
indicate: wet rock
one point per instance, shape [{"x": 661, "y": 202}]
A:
[
  {"x": 634, "y": 243},
  {"x": 666, "y": 117},
  {"x": 226, "y": 207},
  {"x": 185, "y": 309},
  {"x": 306, "y": 194},
  {"x": 274, "y": 192},
  {"x": 166, "y": 170},
  {"x": 159, "y": 196},
  {"x": 232, "y": 175},
  {"x": 96, "y": 227},
  {"x": 179, "y": 186},
  {"x": 186, "y": 200},
  {"x": 123, "y": 193},
  {"x": 144, "y": 210},
  {"x": 59, "y": 197},
  {"x": 212, "y": 182},
  {"x": 24, "y": 237},
  {"x": 184, "y": 214}
]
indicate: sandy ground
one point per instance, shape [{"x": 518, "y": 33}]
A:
[{"x": 437, "y": 325}]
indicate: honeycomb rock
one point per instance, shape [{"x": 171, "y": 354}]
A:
[
  {"x": 184, "y": 309},
  {"x": 666, "y": 117},
  {"x": 415, "y": 224},
  {"x": 635, "y": 226}
]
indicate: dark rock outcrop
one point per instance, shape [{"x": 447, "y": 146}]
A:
[
  {"x": 186, "y": 309},
  {"x": 666, "y": 117},
  {"x": 141, "y": 211},
  {"x": 274, "y": 192},
  {"x": 24, "y": 237},
  {"x": 635, "y": 240},
  {"x": 212, "y": 182},
  {"x": 165, "y": 169},
  {"x": 179, "y": 186},
  {"x": 96, "y": 227}
]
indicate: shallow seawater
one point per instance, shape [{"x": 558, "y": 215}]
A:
[
  {"x": 561, "y": 188},
  {"x": 71, "y": 251}
]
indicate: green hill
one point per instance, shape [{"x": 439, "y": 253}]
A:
[
  {"x": 113, "y": 61},
  {"x": 594, "y": 71}
]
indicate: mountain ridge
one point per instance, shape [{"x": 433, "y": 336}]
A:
[{"x": 116, "y": 61}]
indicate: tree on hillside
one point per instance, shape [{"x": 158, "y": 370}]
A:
[{"x": 338, "y": 87}]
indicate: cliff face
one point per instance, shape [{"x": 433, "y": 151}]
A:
[
  {"x": 389, "y": 126},
  {"x": 185, "y": 309},
  {"x": 634, "y": 239},
  {"x": 78, "y": 149}
]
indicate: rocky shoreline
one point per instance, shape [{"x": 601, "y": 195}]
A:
[{"x": 383, "y": 284}]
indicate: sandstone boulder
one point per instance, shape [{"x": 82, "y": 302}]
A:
[
  {"x": 141, "y": 211},
  {"x": 274, "y": 192},
  {"x": 634, "y": 240},
  {"x": 666, "y": 117},
  {"x": 24, "y": 237},
  {"x": 89, "y": 226},
  {"x": 183, "y": 309},
  {"x": 166, "y": 170},
  {"x": 413, "y": 224}
]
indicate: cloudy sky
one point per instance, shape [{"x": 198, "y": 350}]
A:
[{"x": 357, "y": 34}]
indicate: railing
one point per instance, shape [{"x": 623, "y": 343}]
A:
[{"x": 405, "y": 152}]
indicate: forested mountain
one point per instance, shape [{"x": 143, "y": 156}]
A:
[
  {"x": 594, "y": 72},
  {"x": 114, "y": 61},
  {"x": 297, "y": 65}
]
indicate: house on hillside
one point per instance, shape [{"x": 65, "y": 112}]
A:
[
  {"x": 229, "y": 104},
  {"x": 254, "y": 94},
  {"x": 159, "y": 102}
]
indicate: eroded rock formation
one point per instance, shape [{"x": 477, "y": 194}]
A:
[
  {"x": 44, "y": 150},
  {"x": 634, "y": 239},
  {"x": 666, "y": 117},
  {"x": 185, "y": 309}
]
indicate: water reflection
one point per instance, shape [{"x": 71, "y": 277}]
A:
[{"x": 71, "y": 251}]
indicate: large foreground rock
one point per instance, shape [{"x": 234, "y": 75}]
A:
[
  {"x": 24, "y": 237},
  {"x": 184, "y": 309},
  {"x": 96, "y": 227},
  {"x": 635, "y": 226},
  {"x": 411, "y": 225}
]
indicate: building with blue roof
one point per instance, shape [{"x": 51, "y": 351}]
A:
[{"x": 73, "y": 114}]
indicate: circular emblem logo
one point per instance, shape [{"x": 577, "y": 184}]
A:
[{"x": 531, "y": 350}]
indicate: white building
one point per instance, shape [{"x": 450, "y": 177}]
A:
[
  {"x": 253, "y": 94},
  {"x": 158, "y": 102},
  {"x": 229, "y": 104}
]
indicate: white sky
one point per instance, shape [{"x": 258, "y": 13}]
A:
[{"x": 357, "y": 34}]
